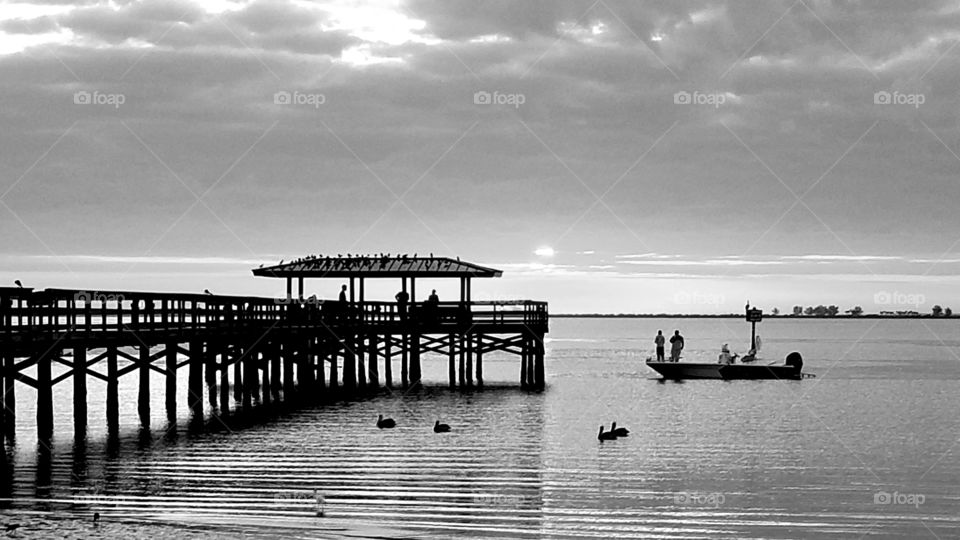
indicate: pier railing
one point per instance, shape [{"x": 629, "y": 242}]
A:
[{"x": 27, "y": 315}]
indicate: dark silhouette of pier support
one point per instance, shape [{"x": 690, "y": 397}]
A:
[
  {"x": 45, "y": 394},
  {"x": 9, "y": 392},
  {"x": 373, "y": 370},
  {"x": 143, "y": 397},
  {"x": 387, "y": 364},
  {"x": 79, "y": 390},
  {"x": 170, "y": 380},
  {"x": 113, "y": 398},
  {"x": 195, "y": 378}
]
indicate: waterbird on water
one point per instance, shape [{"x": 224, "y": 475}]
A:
[
  {"x": 619, "y": 432},
  {"x": 440, "y": 428},
  {"x": 385, "y": 423},
  {"x": 605, "y": 435},
  {"x": 96, "y": 518}
]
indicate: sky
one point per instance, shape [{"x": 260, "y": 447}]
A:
[{"x": 609, "y": 156}]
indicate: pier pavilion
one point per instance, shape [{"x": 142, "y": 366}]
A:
[
  {"x": 278, "y": 349},
  {"x": 462, "y": 330}
]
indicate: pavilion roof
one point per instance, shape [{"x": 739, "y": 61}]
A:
[{"x": 377, "y": 267}]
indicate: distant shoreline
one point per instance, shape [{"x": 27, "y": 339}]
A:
[{"x": 735, "y": 316}]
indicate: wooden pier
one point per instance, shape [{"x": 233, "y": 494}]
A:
[{"x": 278, "y": 349}]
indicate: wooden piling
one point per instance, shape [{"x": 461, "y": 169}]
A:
[
  {"x": 289, "y": 386},
  {"x": 236, "y": 352},
  {"x": 305, "y": 369},
  {"x": 251, "y": 377},
  {"x": 463, "y": 361},
  {"x": 113, "y": 398},
  {"x": 320, "y": 356},
  {"x": 248, "y": 379},
  {"x": 528, "y": 346},
  {"x": 210, "y": 367},
  {"x": 9, "y": 392},
  {"x": 265, "y": 366},
  {"x": 79, "y": 391},
  {"x": 334, "y": 353},
  {"x": 276, "y": 361},
  {"x": 388, "y": 361},
  {"x": 538, "y": 352},
  {"x": 523, "y": 365},
  {"x": 195, "y": 381},
  {"x": 404, "y": 355},
  {"x": 451, "y": 361},
  {"x": 170, "y": 379},
  {"x": 373, "y": 369},
  {"x": 143, "y": 397},
  {"x": 361, "y": 352},
  {"x": 349, "y": 365},
  {"x": 480, "y": 360},
  {"x": 223, "y": 352},
  {"x": 469, "y": 371},
  {"x": 45, "y": 394}
]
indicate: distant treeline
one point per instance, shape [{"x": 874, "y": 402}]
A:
[{"x": 798, "y": 311}]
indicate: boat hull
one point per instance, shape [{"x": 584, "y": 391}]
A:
[{"x": 690, "y": 370}]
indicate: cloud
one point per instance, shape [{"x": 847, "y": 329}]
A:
[{"x": 598, "y": 115}]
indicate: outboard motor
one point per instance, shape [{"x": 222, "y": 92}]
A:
[{"x": 795, "y": 361}]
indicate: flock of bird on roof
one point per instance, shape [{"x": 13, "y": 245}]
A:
[
  {"x": 614, "y": 433},
  {"x": 352, "y": 260}
]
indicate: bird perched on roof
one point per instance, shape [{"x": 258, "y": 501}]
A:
[
  {"x": 207, "y": 291},
  {"x": 17, "y": 283},
  {"x": 261, "y": 265}
]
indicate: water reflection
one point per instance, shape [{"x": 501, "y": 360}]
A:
[{"x": 484, "y": 476}]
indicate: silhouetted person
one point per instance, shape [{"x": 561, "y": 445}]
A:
[
  {"x": 660, "y": 341},
  {"x": 676, "y": 345},
  {"x": 402, "y": 299},
  {"x": 433, "y": 305},
  {"x": 342, "y": 305}
]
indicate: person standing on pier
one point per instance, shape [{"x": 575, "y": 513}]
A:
[
  {"x": 676, "y": 345},
  {"x": 660, "y": 341},
  {"x": 343, "y": 301},
  {"x": 402, "y": 298},
  {"x": 433, "y": 306}
]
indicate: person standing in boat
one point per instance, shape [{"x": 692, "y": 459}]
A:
[
  {"x": 676, "y": 345},
  {"x": 659, "y": 341}
]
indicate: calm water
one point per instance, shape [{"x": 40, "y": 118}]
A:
[{"x": 705, "y": 459}]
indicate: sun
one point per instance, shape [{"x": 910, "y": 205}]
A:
[{"x": 544, "y": 251}]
